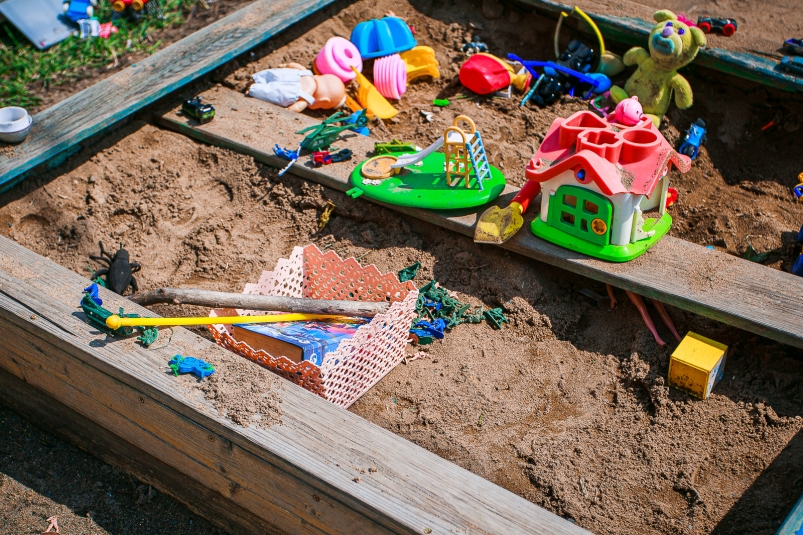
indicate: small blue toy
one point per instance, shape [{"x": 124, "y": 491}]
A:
[
  {"x": 474, "y": 47},
  {"x": 694, "y": 138},
  {"x": 352, "y": 119},
  {"x": 434, "y": 329},
  {"x": 76, "y": 10},
  {"x": 199, "y": 367},
  {"x": 792, "y": 64},
  {"x": 92, "y": 293}
]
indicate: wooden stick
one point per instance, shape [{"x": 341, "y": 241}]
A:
[{"x": 268, "y": 303}]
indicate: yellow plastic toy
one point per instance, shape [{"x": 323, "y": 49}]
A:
[
  {"x": 697, "y": 364},
  {"x": 420, "y": 61},
  {"x": 115, "y": 322},
  {"x": 369, "y": 97}
]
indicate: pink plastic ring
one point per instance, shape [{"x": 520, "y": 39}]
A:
[
  {"x": 390, "y": 76},
  {"x": 337, "y": 57}
]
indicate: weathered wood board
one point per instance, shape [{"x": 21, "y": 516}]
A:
[
  {"x": 297, "y": 476},
  {"x": 58, "y": 131},
  {"x": 713, "y": 284}
]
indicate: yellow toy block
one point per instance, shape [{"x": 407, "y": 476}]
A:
[{"x": 697, "y": 364}]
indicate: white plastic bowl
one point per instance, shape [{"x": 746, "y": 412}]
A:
[{"x": 15, "y": 123}]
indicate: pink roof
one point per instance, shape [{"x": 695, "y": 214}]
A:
[{"x": 618, "y": 158}]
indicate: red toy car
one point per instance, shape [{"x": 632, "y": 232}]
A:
[{"x": 727, "y": 26}]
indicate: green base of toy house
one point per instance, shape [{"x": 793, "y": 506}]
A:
[
  {"x": 425, "y": 186},
  {"x": 612, "y": 253}
]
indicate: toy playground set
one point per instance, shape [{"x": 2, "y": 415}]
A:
[{"x": 591, "y": 192}]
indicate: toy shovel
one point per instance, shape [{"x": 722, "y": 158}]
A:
[{"x": 497, "y": 225}]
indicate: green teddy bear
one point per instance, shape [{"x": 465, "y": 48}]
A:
[{"x": 672, "y": 45}]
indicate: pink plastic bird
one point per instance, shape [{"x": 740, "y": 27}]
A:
[{"x": 628, "y": 112}]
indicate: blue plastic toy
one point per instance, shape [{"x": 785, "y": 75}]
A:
[
  {"x": 599, "y": 82},
  {"x": 376, "y": 38},
  {"x": 352, "y": 119},
  {"x": 694, "y": 138},
  {"x": 434, "y": 329},
  {"x": 76, "y": 10},
  {"x": 92, "y": 292},
  {"x": 199, "y": 367}
]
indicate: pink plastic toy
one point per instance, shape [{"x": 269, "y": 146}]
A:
[
  {"x": 628, "y": 112},
  {"x": 390, "y": 76},
  {"x": 337, "y": 57}
]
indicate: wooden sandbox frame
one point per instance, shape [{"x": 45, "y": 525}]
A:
[{"x": 298, "y": 477}]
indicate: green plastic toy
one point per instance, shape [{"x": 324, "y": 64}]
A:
[
  {"x": 672, "y": 45},
  {"x": 393, "y": 146},
  {"x": 96, "y": 316},
  {"x": 321, "y": 136}
]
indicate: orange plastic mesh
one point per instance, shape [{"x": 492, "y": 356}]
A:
[{"x": 359, "y": 362}]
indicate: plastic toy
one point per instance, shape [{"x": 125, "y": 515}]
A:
[
  {"x": 794, "y": 46},
  {"x": 322, "y": 136},
  {"x": 115, "y": 321},
  {"x": 555, "y": 81},
  {"x": 697, "y": 364},
  {"x": 372, "y": 100},
  {"x": 645, "y": 316},
  {"x": 88, "y": 28},
  {"x": 76, "y": 10},
  {"x": 203, "y": 113},
  {"x": 441, "y": 102},
  {"x": 792, "y": 64},
  {"x": 120, "y": 5},
  {"x": 295, "y": 88},
  {"x": 53, "y": 527},
  {"x": 628, "y": 112},
  {"x": 287, "y": 154},
  {"x": 201, "y": 368},
  {"x": 458, "y": 177},
  {"x": 120, "y": 271},
  {"x": 599, "y": 178},
  {"x": 354, "y": 118},
  {"x": 727, "y": 26},
  {"x": 485, "y": 74},
  {"x": 672, "y": 45},
  {"x": 337, "y": 57},
  {"x": 609, "y": 64},
  {"x": 96, "y": 316},
  {"x": 474, "y": 46},
  {"x": 382, "y": 37},
  {"x": 393, "y": 146},
  {"x": 390, "y": 76},
  {"x": 15, "y": 123},
  {"x": 694, "y": 138},
  {"x": 420, "y": 61},
  {"x": 106, "y": 30},
  {"x": 320, "y": 158}
]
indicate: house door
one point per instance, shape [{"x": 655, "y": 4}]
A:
[{"x": 582, "y": 213}]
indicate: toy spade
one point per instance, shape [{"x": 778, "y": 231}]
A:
[
  {"x": 115, "y": 322},
  {"x": 497, "y": 225}
]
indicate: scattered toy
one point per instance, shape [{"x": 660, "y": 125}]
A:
[
  {"x": 121, "y": 5},
  {"x": 76, "y": 10},
  {"x": 287, "y": 154},
  {"x": 559, "y": 79},
  {"x": 694, "y": 139},
  {"x": 106, "y": 30},
  {"x": 794, "y": 46},
  {"x": 15, "y": 123},
  {"x": 376, "y": 38},
  {"x": 322, "y": 136},
  {"x": 590, "y": 166},
  {"x": 119, "y": 274},
  {"x": 420, "y": 61},
  {"x": 672, "y": 45},
  {"x": 428, "y": 115},
  {"x": 697, "y": 365},
  {"x": 798, "y": 190},
  {"x": 354, "y": 118},
  {"x": 609, "y": 64},
  {"x": 54, "y": 525},
  {"x": 409, "y": 273},
  {"x": 296, "y": 88},
  {"x": 179, "y": 364},
  {"x": 601, "y": 104},
  {"x": 97, "y": 316},
  {"x": 792, "y": 64},
  {"x": 88, "y": 28},
  {"x": 645, "y": 316},
  {"x": 628, "y": 112},
  {"x": 485, "y": 74},
  {"x": 326, "y": 214},
  {"x": 727, "y": 26},
  {"x": 390, "y": 76},
  {"x": 338, "y": 56},
  {"x": 474, "y": 46},
  {"x": 379, "y": 167},
  {"x": 393, "y": 146},
  {"x": 321, "y": 158},
  {"x": 203, "y": 113},
  {"x": 117, "y": 321},
  {"x": 370, "y": 99},
  {"x": 440, "y": 102}
]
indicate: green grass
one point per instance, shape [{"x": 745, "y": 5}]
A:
[{"x": 23, "y": 66}]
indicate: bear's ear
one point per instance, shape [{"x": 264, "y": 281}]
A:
[
  {"x": 698, "y": 36},
  {"x": 664, "y": 14}
]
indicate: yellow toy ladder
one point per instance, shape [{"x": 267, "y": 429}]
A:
[{"x": 455, "y": 141}]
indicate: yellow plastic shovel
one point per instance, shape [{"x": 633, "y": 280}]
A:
[
  {"x": 370, "y": 97},
  {"x": 420, "y": 61}
]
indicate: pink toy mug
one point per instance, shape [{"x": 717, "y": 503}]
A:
[
  {"x": 390, "y": 76},
  {"x": 628, "y": 112},
  {"x": 337, "y": 57}
]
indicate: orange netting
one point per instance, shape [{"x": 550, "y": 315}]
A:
[{"x": 359, "y": 362}]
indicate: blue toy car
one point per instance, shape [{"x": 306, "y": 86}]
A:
[
  {"x": 794, "y": 46},
  {"x": 727, "y": 26},
  {"x": 694, "y": 138},
  {"x": 76, "y": 10},
  {"x": 792, "y": 64}
]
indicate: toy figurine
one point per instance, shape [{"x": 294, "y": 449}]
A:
[
  {"x": 474, "y": 46},
  {"x": 296, "y": 88},
  {"x": 599, "y": 178},
  {"x": 76, "y": 10},
  {"x": 628, "y": 112},
  {"x": 694, "y": 138},
  {"x": 672, "y": 45}
]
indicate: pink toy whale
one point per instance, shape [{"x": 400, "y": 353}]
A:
[{"x": 628, "y": 112}]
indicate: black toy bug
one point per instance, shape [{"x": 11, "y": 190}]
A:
[{"x": 120, "y": 273}]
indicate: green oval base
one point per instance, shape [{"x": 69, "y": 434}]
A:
[{"x": 425, "y": 186}]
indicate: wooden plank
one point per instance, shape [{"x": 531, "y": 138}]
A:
[
  {"x": 634, "y": 31},
  {"x": 59, "y": 130},
  {"x": 713, "y": 284},
  {"x": 794, "y": 522},
  {"x": 298, "y": 475},
  {"x": 56, "y": 418}
]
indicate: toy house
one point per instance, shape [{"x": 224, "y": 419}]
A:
[{"x": 598, "y": 179}]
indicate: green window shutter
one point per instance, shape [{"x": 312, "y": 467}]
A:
[{"x": 581, "y": 212}]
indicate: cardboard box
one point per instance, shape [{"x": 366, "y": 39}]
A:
[{"x": 697, "y": 364}]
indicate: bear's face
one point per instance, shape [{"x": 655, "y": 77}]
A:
[{"x": 672, "y": 43}]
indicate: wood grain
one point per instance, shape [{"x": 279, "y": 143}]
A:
[
  {"x": 60, "y": 129},
  {"x": 298, "y": 475},
  {"x": 716, "y": 285}
]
